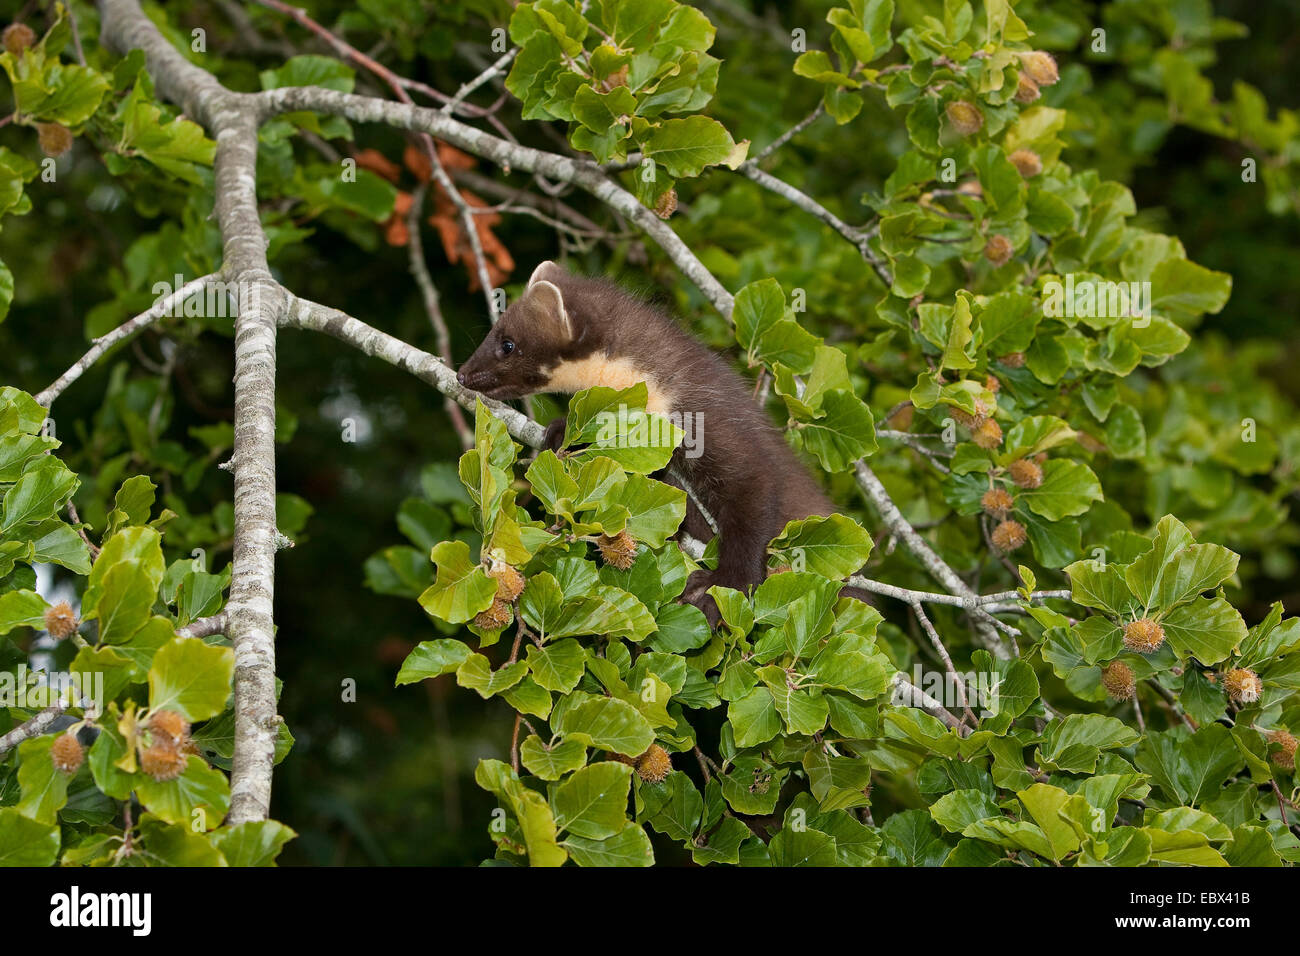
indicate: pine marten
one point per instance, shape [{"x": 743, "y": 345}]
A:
[{"x": 568, "y": 333}]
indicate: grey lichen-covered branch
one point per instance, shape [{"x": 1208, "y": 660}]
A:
[
  {"x": 33, "y": 727},
  {"x": 582, "y": 173}
]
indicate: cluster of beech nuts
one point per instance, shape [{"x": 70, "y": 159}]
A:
[
  {"x": 1037, "y": 69},
  {"x": 169, "y": 745},
  {"x": 55, "y": 138},
  {"x": 510, "y": 584},
  {"x": 163, "y": 754},
  {"x": 1009, "y": 534},
  {"x": 1145, "y": 636}
]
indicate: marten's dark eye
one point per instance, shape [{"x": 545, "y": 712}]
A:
[{"x": 507, "y": 346}]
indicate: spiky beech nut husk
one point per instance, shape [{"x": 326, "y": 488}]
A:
[
  {"x": 971, "y": 420},
  {"x": 54, "y": 138},
  {"x": 61, "y": 621},
  {"x": 497, "y": 616},
  {"x": 1026, "y": 89},
  {"x": 998, "y": 250},
  {"x": 963, "y": 417},
  {"x": 988, "y": 434},
  {"x": 1009, "y": 535},
  {"x": 510, "y": 583},
  {"x": 619, "y": 551},
  {"x": 17, "y": 37},
  {"x": 163, "y": 761},
  {"x": 1028, "y": 163},
  {"x": 170, "y": 725},
  {"x": 67, "y": 754},
  {"x": 996, "y": 502},
  {"x": 964, "y": 116},
  {"x": 1143, "y": 635},
  {"x": 1040, "y": 66},
  {"x": 1285, "y": 757},
  {"x": 666, "y": 204},
  {"x": 1025, "y": 473},
  {"x": 653, "y": 765},
  {"x": 1013, "y": 360},
  {"x": 1117, "y": 677},
  {"x": 992, "y": 384},
  {"x": 971, "y": 187},
  {"x": 1243, "y": 685}
]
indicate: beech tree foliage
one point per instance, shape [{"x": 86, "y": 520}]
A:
[{"x": 1064, "y": 499}]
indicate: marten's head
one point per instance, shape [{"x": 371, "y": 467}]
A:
[{"x": 528, "y": 342}]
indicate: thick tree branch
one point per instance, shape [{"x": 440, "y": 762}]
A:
[{"x": 233, "y": 120}]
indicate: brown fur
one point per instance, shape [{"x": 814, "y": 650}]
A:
[{"x": 572, "y": 332}]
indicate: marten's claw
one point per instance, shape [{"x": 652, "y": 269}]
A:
[
  {"x": 554, "y": 437},
  {"x": 697, "y": 594}
]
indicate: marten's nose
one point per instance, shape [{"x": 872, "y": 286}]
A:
[{"x": 460, "y": 377}]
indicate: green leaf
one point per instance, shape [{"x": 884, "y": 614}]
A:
[
  {"x": 1189, "y": 767},
  {"x": 477, "y": 674},
  {"x": 629, "y": 847},
  {"x": 42, "y": 490},
  {"x": 310, "y": 70},
  {"x": 26, "y": 842},
  {"x": 254, "y": 843},
  {"x": 592, "y": 803},
  {"x": 803, "y": 848},
  {"x": 1189, "y": 289},
  {"x": 1068, "y": 488},
  {"x": 609, "y": 724},
  {"x": 21, "y": 609},
  {"x": 1074, "y": 743},
  {"x": 558, "y": 666},
  {"x": 551, "y": 763},
  {"x": 462, "y": 588},
  {"x": 176, "y": 844},
  {"x": 44, "y": 789},
  {"x": 834, "y": 546},
  {"x": 200, "y": 793},
  {"x": 192, "y": 678},
  {"x": 1207, "y": 629},
  {"x": 530, "y": 809},
  {"x": 432, "y": 659},
  {"x": 684, "y": 147}
]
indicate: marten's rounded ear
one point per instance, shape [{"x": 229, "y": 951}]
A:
[
  {"x": 550, "y": 307},
  {"x": 542, "y": 271}
]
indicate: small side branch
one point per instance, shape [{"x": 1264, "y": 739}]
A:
[
  {"x": 160, "y": 309},
  {"x": 907, "y": 694},
  {"x": 34, "y": 727}
]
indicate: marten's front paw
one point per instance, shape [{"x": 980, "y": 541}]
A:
[
  {"x": 697, "y": 594},
  {"x": 554, "y": 437}
]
